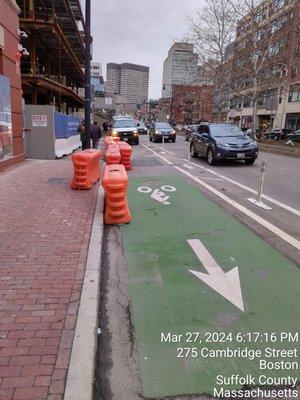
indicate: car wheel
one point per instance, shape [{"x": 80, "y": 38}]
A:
[
  {"x": 150, "y": 138},
  {"x": 193, "y": 151},
  {"x": 210, "y": 157},
  {"x": 250, "y": 161},
  {"x": 173, "y": 140}
]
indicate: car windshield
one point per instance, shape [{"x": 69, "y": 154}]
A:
[
  {"x": 225, "y": 130},
  {"x": 124, "y": 123},
  {"x": 163, "y": 125}
]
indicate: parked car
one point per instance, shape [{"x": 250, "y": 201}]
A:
[
  {"x": 223, "y": 141},
  {"x": 126, "y": 130},
  {"x": 294, "y": 136},
  {"x": 190, "y": 129},
  {"x": 142, "y": 129},
  {"x": 160, "y": 130}
]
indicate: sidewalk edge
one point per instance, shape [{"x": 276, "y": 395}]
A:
[{"x": 80, "y": 377}]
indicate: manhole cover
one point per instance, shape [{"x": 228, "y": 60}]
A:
[{"x": 56, "y": 181}]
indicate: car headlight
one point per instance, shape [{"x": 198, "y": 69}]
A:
[
  {"x": 157, "y": 132},
  {"x": 222, "y": 145},
  {"x": 173, "y": 132}
]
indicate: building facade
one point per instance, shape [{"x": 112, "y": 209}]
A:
[
  {"x": 52, "y": 71},
  {"x": 97, "y": 81},
  {"x": 113, "y": 78},
  {"x": 191, "y": 103},
  {"x": 130, "y": 82},
  {"x": 274, "y": 90},
  {"x": 180, "y": 67},
  {"x": 11, "y": 117}
]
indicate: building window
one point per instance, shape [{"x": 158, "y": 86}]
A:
[
  {"x": 262, "y": 99},
  {"x": 294, "y": 72},
  {"x": 1, "y": 62},
  {"x": 294, "y": 94},
  {"x": 261, "y": 16},
  {"x": 275, "y": 48},
  {"x": 247, "y": 102},
  {"x": 276, "y": 5}
]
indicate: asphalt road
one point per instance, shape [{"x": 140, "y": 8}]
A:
[
  {"x": 239, "y": 182},
  {"x": 275, "y": 233}
]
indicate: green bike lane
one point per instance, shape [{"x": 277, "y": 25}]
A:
[{"x": 170, "y": 293}]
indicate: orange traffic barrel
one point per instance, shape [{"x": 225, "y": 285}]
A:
[
  {"x": 115, "y": 182},
  {"x": 112, "y": 155},
  {"x": 107, "y": 141},
  {"x": 86, "y": 166},
  {"x": 125, "y": 151}
]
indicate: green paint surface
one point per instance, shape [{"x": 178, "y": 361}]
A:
[{"x": 166, "y": 297}]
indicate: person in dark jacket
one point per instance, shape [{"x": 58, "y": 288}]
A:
[
  {"x": 105, "y": 127},
  {"x": 81, "y": 130},
  {"x": 96, "y": 134}
]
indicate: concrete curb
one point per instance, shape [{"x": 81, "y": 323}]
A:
[
  {"x": 288, "y": 151},
  {"x": 79, "y": 385}
]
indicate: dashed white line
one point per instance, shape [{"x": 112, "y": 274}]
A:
[
  {"x": 272, "y": 228},
  {"x": 270, "y": 199}
]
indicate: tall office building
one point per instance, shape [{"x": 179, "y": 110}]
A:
[
  {"x": 113, "y": 78},
  {"x": 97, "y": 80},
  {"x": 180, "y": 67},
  {"x": 130, "y": 82},
  {"x": 96, "y": 69}
]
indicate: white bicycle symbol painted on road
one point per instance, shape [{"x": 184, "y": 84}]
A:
[{"x": 158, "y": 194}]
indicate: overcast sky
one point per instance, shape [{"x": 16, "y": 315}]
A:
[{"x": 138, "y": 31}]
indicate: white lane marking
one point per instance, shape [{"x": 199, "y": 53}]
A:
[
  {"x": 227, "y": 284},
  {"x": 158, "y": 155},
  {"x": 144, "y": 189},
  {"x": 247, "y": 188},
  {"x": 259, "y": 204},
  {"x": 163, "y": 150},
  {"x": 277, "y": 231},
  {"x": 270, "y": 199},
  {"x": 160, "y": 196},
  {"x": 213, "y": 179},
  {"x": 168, "y": 188}
]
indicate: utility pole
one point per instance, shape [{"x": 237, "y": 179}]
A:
[{"x": 87, "y": 75}]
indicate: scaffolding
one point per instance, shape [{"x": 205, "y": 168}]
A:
[{"x": 53, "y": 74}]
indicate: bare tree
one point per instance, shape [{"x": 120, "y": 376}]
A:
[
  {"x": 212, "y": 30},
  {"x": 242, "y": 41},
  {"x": 260, "y": 63}
]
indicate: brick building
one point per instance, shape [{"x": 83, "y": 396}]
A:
[
  {"x": 11, "y": 125},
  {"x": 191, "y": 103},
  {"x": 272, "y": 32}
]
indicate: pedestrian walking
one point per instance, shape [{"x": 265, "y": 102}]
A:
[
  {"x": 96, "y": 134},
  {"x": 105, "y": 127},
  {"x": 81, "y": 130}
]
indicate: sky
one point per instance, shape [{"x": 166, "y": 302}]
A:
[{"x": 139, "y": 32}]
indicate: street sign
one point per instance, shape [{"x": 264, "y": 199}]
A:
[{"x": 39, "y": 121}]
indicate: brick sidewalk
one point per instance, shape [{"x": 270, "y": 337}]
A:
[{"x": 44, "y": 235}]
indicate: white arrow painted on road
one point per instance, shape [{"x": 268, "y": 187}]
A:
[{"x": 227, "y": 284}]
